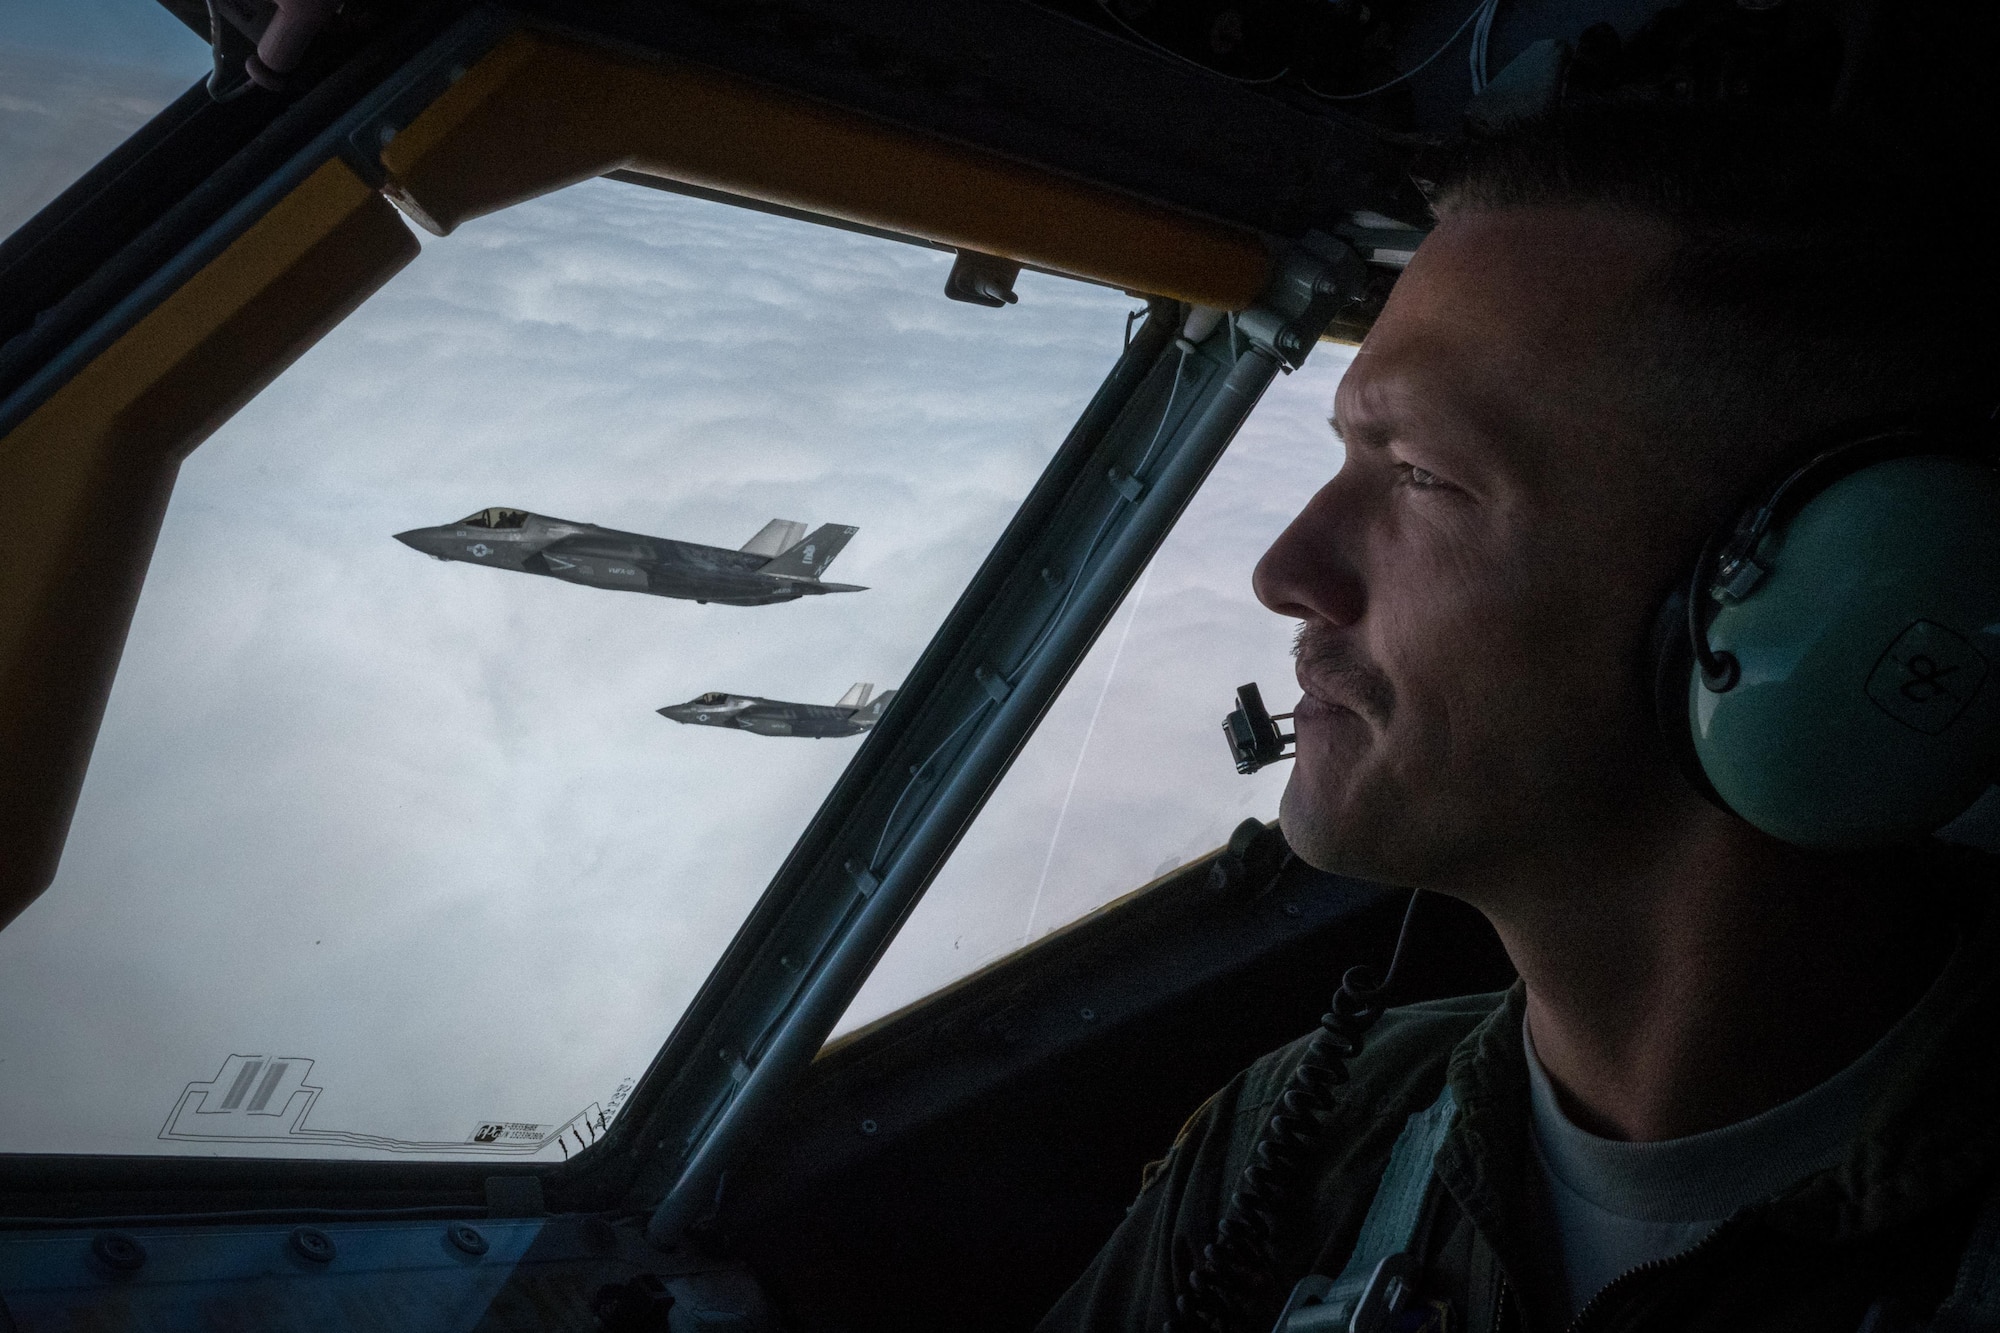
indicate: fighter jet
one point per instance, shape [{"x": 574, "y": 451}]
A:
[
  {"x": 780, "y": 564},
  {"x": 774, "y": 717}
]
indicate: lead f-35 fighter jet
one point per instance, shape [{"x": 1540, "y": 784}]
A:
[
  {"x": 774, "y": 717},
  {"x": 780, "y": 564}
]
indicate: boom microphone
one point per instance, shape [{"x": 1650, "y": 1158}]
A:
[{"x": 1252, "y": 733}]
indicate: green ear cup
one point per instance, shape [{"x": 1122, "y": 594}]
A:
[{"x": 1865, "y": 714}]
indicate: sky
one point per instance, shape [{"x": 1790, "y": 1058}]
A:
[
  {"x": 412, "y": 830},
  {"x": 76, "y": 78}
]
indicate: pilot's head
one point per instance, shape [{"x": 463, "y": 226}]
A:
[{"x": 1621, "y": 321}]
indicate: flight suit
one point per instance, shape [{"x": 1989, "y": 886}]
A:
[{"x": 1885, "y": 1227}]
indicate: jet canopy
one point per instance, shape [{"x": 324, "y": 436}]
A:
[
  {"x": 713, "y": 697},
  {"x": 495, "y": 518}
]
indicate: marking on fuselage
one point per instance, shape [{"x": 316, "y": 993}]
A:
[{"x": 480, "y": 549}]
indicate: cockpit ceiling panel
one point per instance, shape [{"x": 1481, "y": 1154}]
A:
[{"x": 536, "y": 114}]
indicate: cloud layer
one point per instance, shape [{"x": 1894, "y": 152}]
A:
[{"x": 418, "y": 821}]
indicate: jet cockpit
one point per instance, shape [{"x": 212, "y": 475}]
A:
[{"x": 495, "y": 518}]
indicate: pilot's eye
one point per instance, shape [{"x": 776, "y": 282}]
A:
[{"x": 1419, "y": 479}]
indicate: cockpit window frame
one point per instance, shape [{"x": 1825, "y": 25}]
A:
[{"x": 317, "y": 223}]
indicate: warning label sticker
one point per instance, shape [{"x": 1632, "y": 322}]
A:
[{"x": 509, "y": 1131}]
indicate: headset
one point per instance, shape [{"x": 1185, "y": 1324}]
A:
[{"x": 1822, "y": 671}]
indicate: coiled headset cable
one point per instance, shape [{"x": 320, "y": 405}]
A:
[{"x": 1237, "y": 1264}]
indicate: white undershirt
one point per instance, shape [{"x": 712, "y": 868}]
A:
[{"x": 1602, "y": 1207}]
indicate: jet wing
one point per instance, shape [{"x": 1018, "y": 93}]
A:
[
  {"x": 603, "y": 545},
  {"x": 595, "y": 561}
]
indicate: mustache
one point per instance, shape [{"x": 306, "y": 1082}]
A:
[{"x": 1327, "y": 659}]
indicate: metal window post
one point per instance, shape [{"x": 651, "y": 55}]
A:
[{"x": 996, "y": 667}]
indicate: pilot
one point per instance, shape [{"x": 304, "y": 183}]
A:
[{"x": 1740, "y": 1084}]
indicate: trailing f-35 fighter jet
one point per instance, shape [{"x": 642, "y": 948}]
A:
[
  {"x": 774, "y": 717},
  {"x": 779, "y": 564}
]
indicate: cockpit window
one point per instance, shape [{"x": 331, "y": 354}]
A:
[
  {"x": 384, "y": 850},
  {"x": 713, "y": 697},
  {"x": 79, "y": 79},
  {"x": 1127, "y": 777}
]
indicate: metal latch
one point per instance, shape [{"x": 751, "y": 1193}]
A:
[{"x": 979, "y": 279}]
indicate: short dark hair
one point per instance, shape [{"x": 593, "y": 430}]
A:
[{"x": 1820, "y": 272}]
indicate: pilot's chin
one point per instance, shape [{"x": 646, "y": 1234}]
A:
[{"x": 1313, "y": 826}]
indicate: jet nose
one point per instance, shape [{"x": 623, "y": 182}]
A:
[
  {"x": 422, "y": 539},
  {"x": 673, "y": 712}
]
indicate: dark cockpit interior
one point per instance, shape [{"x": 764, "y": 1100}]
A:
[{"x": 1246, "y": 178}]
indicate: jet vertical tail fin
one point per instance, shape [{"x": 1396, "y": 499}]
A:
[
  {"x": 774, "y": 537},
  {"x": 808, "y": 559},
  {"x": 872, "y": 713},
  {"x": 856, "y": 697}
]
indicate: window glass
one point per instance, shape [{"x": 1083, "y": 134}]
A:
[
  {"x": 76, "y": 78},
  {"x": 1128, "y": 775},
  {"x": 380, "y": 854}
]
